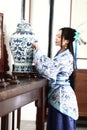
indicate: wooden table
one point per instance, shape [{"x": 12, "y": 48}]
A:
[{"x": 13, "y": 97}]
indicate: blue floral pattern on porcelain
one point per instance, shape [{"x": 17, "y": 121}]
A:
[{"x": 21, "y": 47}]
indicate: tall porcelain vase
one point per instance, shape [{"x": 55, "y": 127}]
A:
[{"x": 21, "y": 47}]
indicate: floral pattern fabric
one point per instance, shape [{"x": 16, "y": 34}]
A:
[{"x": 57, "y": 70}]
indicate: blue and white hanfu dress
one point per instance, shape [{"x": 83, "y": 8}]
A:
[{"x": 63, "y": 108}]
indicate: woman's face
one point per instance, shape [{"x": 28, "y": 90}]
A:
[{"x": 58, "y": 38}]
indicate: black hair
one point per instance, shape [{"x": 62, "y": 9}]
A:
[{"x": 69, "y": 34}]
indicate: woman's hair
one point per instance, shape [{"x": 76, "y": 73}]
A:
[{"x": 69, "y": 34}]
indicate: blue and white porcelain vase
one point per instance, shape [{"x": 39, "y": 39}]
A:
[{"x": 21, "y": 47}]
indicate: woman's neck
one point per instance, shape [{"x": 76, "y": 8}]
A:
[{"x": 63, "y": 49}]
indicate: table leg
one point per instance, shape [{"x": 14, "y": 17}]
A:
[
  {"x": 13, "y": 118},
  {"x": 4, "y": 122},
  {"x": 18, "y": 118},
  {"x": 40, "y": 117}
]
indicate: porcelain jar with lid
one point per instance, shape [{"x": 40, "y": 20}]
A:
[{"x": 21, "y": 47}]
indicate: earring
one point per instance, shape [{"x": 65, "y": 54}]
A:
[{"x": 65, "y": 47}]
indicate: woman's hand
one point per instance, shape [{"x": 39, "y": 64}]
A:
[{"x": 35, "y": 45}]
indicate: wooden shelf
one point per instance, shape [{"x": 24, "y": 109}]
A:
[{"x": 81, "y": 91}]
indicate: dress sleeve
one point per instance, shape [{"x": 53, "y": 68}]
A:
[{"x": 46, "y": 66}]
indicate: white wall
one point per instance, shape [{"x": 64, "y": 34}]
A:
[
  {"x": 40, "y": 22},
  {"x": 12, "y": 15},
  {"x": 79, "y": 22},
  {"x": 61, "y": 19}
]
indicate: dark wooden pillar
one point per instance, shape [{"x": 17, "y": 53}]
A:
[
  {"x": 50, "y": 27},
  {"x": 23, "y": 9}
]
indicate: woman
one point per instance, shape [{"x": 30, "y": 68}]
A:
[{"x": 63, "y": 108}]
